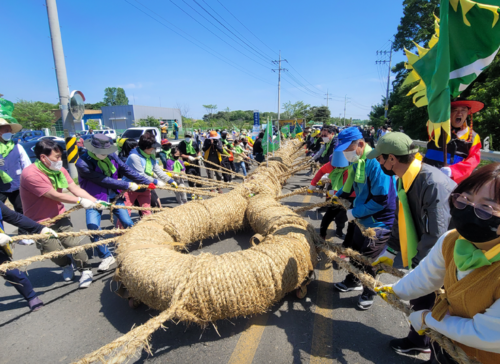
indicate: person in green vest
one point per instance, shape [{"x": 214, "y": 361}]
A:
[
  {"x": 176, "y": 165},
  {"x": 176, "y": 129},
  {"x": 190, "y": 152},
  {"x": 165, "y": 153},
  {"x": 422, "y": 216}
]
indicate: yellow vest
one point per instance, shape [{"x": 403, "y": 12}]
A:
[{"x": 469, "y": 296}]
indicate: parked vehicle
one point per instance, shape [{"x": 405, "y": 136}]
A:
[
  {"x": 55, "y": 138},
  {"x": 29, "y": 147},
  {"x": 109, "y": 132},
  {"x": 26, "y": 135},
  {"x": 135, "y": 133}
]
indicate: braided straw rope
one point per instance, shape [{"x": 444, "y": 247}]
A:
[
  {"x": 185, "y": 189},
  {"x": 219, "y": 166},
  {"x": 69, "y": 234},
  {"x": 38, "y": 258}
]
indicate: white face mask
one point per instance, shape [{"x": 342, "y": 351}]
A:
[
  {"x": 55, "y": 166},
  {"x": 326, "y": 139},
  {"x": 187, "y": 140},
  {"x": 351, "y": 156},
  {"x": 101, "y": 156},
  {"x": 7, "y": 136}
]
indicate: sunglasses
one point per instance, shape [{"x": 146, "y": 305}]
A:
[{"x": 484, "y": 212}]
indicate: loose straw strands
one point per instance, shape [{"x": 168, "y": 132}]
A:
[
  {"x": 38, "y": 258},
  {"x": 70, "y": 234},
  {"x": 368, "y": 281}
]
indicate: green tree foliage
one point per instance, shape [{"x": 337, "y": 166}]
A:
[
  {"x": 297, "y": 110},
  {"x": 114, "y": 96},
  {"x": 149, "y": 121},
  {"x": 93, "y": 124},
  {"x": 34, "y": 115},
  {"x": 96, "y": 106}
]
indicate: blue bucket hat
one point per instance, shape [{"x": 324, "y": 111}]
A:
[
  {"x": 346, "y": 137},
  {"x": 338, "y": 160}
]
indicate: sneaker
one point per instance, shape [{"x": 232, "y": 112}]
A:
[
  {"x": 193, "y": 196},
  {"x": 106, "y": 263},
  {"x": 35, "y": 304},
  {"x": 67, "y": 273},
  {"x": 365, "y": 301},
  {"x": 348, "y": 284},
  {"x": 405, "y": 345},
  {"x": 26, "y": 242},
  {"x": 86, "y": 278}
]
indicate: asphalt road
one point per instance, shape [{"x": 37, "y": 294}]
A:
[{"x": 325, "y": 327}]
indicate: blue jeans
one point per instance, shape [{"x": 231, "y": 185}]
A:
[
  {"x": 176, "y": 133},
  {"x": 240, "y": 165},
  {"x": 94, "y": 223}
]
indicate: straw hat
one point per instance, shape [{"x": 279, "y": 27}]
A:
[{"x": 6, "y": 109}]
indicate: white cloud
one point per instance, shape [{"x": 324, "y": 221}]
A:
[{"x": 131, "y": 85}]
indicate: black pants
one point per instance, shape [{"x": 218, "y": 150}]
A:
[
  {"x": 259, "y": 157},
  {"x": 14, "y": 198},
  {"x": 421, "y": 303},
  {"x": 19, "y": 279},
  {"x": 336, "y": 213},
  {"x": 226, "y": 164},
  {"x": 194, "y": 171}
]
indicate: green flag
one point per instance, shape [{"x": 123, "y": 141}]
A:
[
  {"x": 466, "y": 41},
  {"x": 298, "y": 129},
  {"x": 267, "y": 141},
  {"x": 285, "y": 129}
]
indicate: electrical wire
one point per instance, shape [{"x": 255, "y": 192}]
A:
[
  {"x": 226, "y": 60},
  {"x": 304, "y": 78}
]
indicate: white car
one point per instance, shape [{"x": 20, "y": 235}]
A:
[
  {"x": 135, "y": 133},
  {"x": 108, "y": 132}
]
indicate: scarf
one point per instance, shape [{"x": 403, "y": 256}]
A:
[
  {"x": 5, "y": 149},
  {"x": 327, "y": 147},
  {"x": 57, "y": 178},
  {"x": 358, "y": 176},
  {"x": 149, "y": 162},
  {"x": 238, "y": 149},
  {"x": 467, "y": 256},
  {"x": 189, "y": 147},
  {"x": 337, "y": 178},
  {"x": 104, "y": 164},
  {"x": 168, "y": 154},
  {"x": 178, "y": 167},
  {"x": 408, "y": 239}
]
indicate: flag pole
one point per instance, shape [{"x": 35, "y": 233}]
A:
[{"x": 267, "y": 142}]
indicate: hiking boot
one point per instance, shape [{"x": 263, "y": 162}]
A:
[
  {"x": 405, "y": 345},
  {"x": 86, "y": 278},
  {"x": 35, "y": 304},
  {"x": 106, "y": 263},
  {"x": 67, "y": 273},
  {"x": 365, "y": 301},
  {"x": 348, "y": 284}
]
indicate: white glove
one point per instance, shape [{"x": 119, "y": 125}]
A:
[
  {"x": 191, "y": 158},
  {"x": 101, "y": 205},
  {"x": 418, "y": 322},
  {"x": 200, "y": 158},
  {"x": 161, "y": 184},
  {"x": 331, "y": 194},
  {"x": 49, "y": 231},
  {"x": 133, "y": 186},
  {"x": 5, "y": 239},
  {"x": 350, "y": 216},
  {"x": 311, "y": 189},
  {"x": 86, "y": 204},
  {"x": 325, "y": 179},
  {"x": 174, "y": 184},
  {"x": 447, "y": 171}
]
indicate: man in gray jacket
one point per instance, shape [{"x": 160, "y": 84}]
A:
[{"x": 422, "y": 216}]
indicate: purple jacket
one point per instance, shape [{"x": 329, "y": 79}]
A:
[
  {"x": 170, "y": 165},
  {"x": 96, "y": 183}
]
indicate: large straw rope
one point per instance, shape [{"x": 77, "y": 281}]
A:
[{"x": 69, "y": 234}]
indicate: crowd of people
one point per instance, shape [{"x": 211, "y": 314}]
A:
[{"x": 439, "y": 212}]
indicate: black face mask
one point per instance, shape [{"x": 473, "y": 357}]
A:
[
  {"x": 386, "y": 171},
  {"x": 472, "y": 227},
  {"x": 176, "y": 157}
]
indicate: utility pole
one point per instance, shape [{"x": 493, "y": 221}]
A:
[
  {"x": 279, "y": 69},
  {"x": 327, "y": 98},
  {"x": 60, "y": 65},
  {"x": 386, "y": 108}
]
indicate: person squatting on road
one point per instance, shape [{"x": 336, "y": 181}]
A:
[
  {"x": 142, "y": 160},
  {"x": 374, "y": 206},
  {"x": 42, "y": 185},
  {"x": 467, "y": 262},
  {"x": 176, "y": 165},
  {"x": 422, "y": 216},
  {"x": 17, "y": 278},
  {"x": 98, "y": 170},
  {"x": 190, "y": 152},
  {"x": 337, "y": 174}
]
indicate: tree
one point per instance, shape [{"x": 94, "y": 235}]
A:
[
  {"x": 93, "y": 124},
  {"x": 96, "y": 106},
  {"x": 297, "y": 110},
  {"x": 114, "y": 96},
  {"x": 34, "y": 115},
  {"x": 210, "y": 108},
  {"x": 149, "y": 121}
]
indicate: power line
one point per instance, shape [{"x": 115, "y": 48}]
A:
[
  {"x": 217, "y": 20},
  {"x": 227, "y": 61},
  {"x": 274, "y": 51},
  {"x": 305, "y": 79}
]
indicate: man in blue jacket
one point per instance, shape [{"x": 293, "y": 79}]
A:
[
  {"x": 374, "y": 207},
  {"x": 98, "y": 169}
]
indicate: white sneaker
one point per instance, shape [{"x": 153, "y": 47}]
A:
[
  {"x": 68, "y": 273},
  {"x": 106, "y": 263},
  {"x": 86, "y": 278},
  {"x": 26, "y": 242}
]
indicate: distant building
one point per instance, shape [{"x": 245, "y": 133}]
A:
[
  {"x": 79, "y": 126},
  {"x": 122, "y": 117}
]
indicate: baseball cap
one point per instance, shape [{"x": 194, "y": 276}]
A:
[
  {"x": 347, "y": 136},
  {"x": 338, "y": 160},
  {"x": 395, "y": 143}
]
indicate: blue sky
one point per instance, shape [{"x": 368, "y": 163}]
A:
[{"x": 329, "y": 45}]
